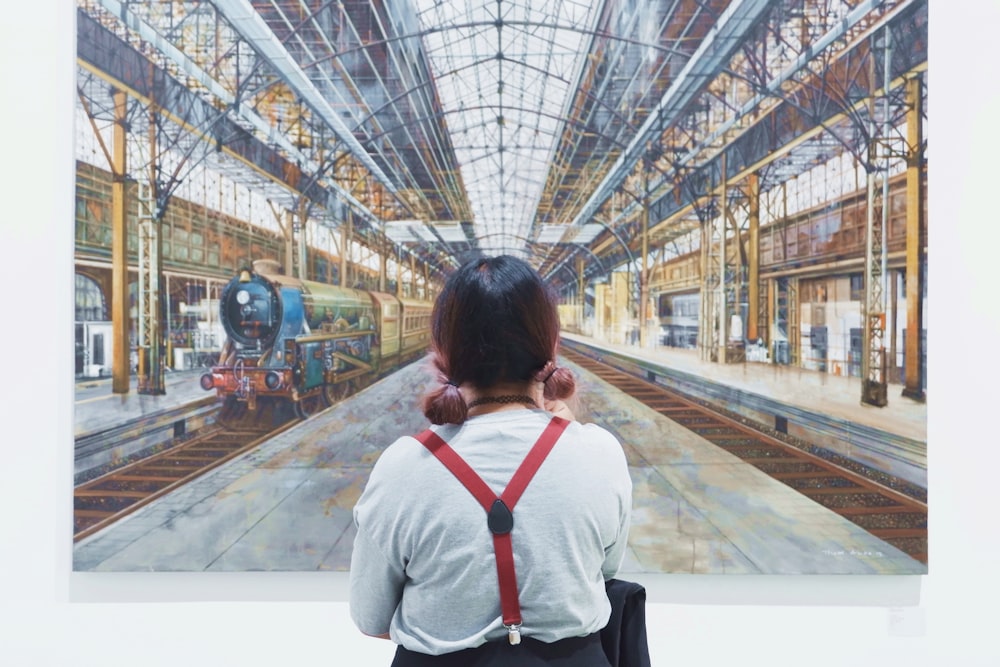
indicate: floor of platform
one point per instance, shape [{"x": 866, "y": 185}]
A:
[
  {"x": 287, "y": 505},
  {"x": 96, "y": 408},
  {"x": 836, "y": 395}
]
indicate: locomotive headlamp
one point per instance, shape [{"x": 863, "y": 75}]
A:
[
  {"x": 272, "y": 380},
  {"x": 243, "y": 297},
  {"x": 245, "y": 276}
]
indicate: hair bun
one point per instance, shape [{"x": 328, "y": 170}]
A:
[
  {"x": 560, "y": 384},
  {"x": 446, "y": 405},
  {"x": 546, "y": 371}
]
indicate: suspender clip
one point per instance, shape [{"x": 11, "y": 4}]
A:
[
  {"x": 500, "y": 519},
  {"x": 513, "y": 633}
]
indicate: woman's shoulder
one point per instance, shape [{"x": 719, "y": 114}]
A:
[
  {"x": 401, "y": 455},
  {"x": 600, "y": 443},
  {"x": 597, "y": 434}
]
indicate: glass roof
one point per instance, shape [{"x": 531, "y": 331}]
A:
[
  {"x": 505, "y": 73},
  {"x": 545, "y": 129}
]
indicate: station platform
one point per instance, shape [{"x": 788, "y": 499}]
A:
[
  {"x": 287, "y": 505},
  {"x": 820, "y": 408},
  {"x": 97, "y": 408},
  {"x": 134, "y": 422}
]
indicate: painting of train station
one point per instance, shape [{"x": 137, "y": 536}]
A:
[{"x": 727, "y": 198}]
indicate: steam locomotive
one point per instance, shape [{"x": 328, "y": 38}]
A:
[{"x": 307, "y": 343}]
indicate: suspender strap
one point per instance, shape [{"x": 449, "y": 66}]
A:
[{"x": 499, "y": 510}]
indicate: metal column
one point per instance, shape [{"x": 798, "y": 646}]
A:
[
  {"x": 644, "y": 269},
  {"x": 150, "y": 380},
  {"x": 772, "y": 317},
  {"x": 754, "y": 301},
  {"x": 151, "y": 313},
  {"x": 345, "y": 245},
  {"x": 289, "y": 229},
  {"x": 301, "y": 242},
  {"x": 720, "y": 291},
  {"x": 382, "y": 261},
  {"x": 413, "y": 277},
  {"x": 399, "y": 273},
  {"x": 705, "y": 318},
  {"x": 710, "y": 329},
  {"x": 873, "y": 369},
  {"x": 913, "y": 372},
  {"x": 794, "y": 330},
  {"x": 120, "y": 367}
]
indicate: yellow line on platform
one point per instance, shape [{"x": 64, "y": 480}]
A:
[{"x": 99, "y": 398}]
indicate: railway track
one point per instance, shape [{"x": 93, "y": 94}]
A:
[
  {"x": 890, "y": 515},
  {"x": 100, "y": 502}
]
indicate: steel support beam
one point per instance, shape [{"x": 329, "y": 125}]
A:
[
  {"x": 874, "y": 388},
  {"x": 914, "y": 366},
  {"x": 151, "y": 366},
  {"x": 727, "y": 35},
  {"x": 753, "y": 256},
  {"x": 287, "y": 229},
  {"x": 120, "y": 367},
  {"x": 772, "y": 317},
  {"x": 720, "y": 291},
  {"x": 249, "y": 23},
  {"x": 794, "y": 332},
  {"x": 345, "y": 248},
  {"x": 413, "y": 277},
  {"x": 711, "y": 279},
  {"x": 399, "y": 274},
  {"x": 382, "y": 261},
  {"x": 126, "y": 68},
  {"x": 766, "y": 142},
  {"x": 301, "y": 242},
  {"x": 644, "y": 269}
]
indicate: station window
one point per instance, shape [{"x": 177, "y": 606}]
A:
[
  {"x": 857, "y": 286},
  {"x": 90, "y": 304},
  {"x": 766, "y": 255}
]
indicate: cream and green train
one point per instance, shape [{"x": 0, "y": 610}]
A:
[{"x": 309, "y": 343}]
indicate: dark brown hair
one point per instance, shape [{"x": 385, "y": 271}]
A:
[{"x": 495, "y": 321}]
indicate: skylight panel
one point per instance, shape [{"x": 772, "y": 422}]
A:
[
  {"x": 409, "y": 231},
  {"x": 450, "y": 233},
  {"x": 551, "y": 233},
  {"x": 585, "y": 234},
  {"x": 399, "y": 232},
  {"x": 503, "y": 91}
]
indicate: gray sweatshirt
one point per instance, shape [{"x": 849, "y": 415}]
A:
[{"x": 423, "y": 567}]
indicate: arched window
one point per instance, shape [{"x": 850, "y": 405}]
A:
[{"x": 90, "y": 306}]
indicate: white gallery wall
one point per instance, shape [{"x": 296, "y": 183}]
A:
[{"x": 49, "y": 616}]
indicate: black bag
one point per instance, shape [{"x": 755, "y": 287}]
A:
[{"x": 624, "y": 637}]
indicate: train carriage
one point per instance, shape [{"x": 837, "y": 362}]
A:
[{"x": 415, "y": 332}]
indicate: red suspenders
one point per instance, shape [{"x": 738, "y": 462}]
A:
[{"x": 499, "y": 510}]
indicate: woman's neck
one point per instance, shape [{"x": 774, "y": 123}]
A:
[{"x": 505, "y": 396}]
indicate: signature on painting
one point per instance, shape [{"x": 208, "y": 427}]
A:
[{"x": 853, "y": 552}]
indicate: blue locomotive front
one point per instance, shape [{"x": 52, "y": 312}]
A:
[{"x": 300, "y": 341}]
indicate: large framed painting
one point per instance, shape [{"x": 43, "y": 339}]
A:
[{"x": 727, "y": 198}]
